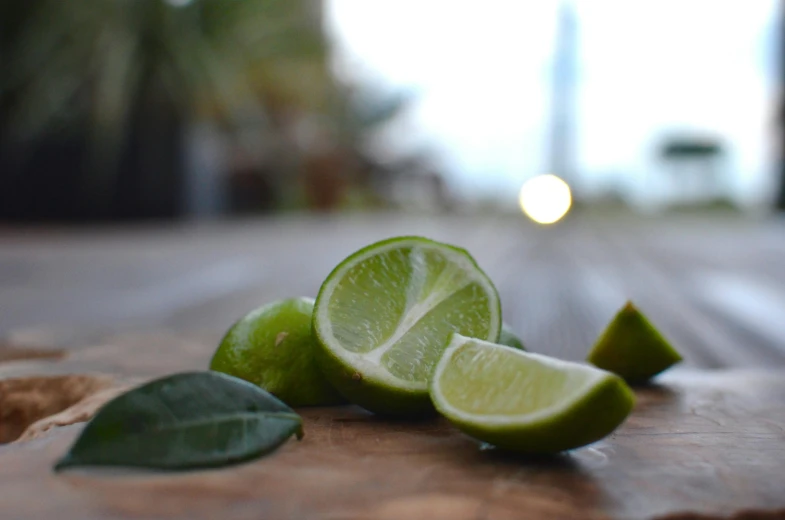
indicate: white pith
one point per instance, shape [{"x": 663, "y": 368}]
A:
[
  {"x": 595, "y": 378},
  {"x": 369, "y": 363}
]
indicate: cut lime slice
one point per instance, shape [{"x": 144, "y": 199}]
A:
[
  {"x": 526, "y": 402},
  {"x": 632, "y": 348},
  {"x": 385, "y": 314}
]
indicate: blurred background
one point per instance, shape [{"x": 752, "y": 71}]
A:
[
  {"x": 175, "y": 163},
  {"x": 194, "y": 109}
]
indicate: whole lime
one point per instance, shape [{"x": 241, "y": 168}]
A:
[{"x": 273, "y": 347}]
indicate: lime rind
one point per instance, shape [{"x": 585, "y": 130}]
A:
[
  {"x": 274, "y": 348},
  {"x": 510, "y": 338},
  {"x": 597, "y": 405},
  {"x": 365, "y": 375}
]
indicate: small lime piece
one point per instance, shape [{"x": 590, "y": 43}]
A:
[
  {"x": 526, "y": 402},
  {"x": 274, "y": 348},
  {"x": 632, "y": 348},
  {"x": 510, "y": 338},
  {"x": 384, "y": 316}
]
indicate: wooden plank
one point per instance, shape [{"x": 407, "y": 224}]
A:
[
  {"x": 708, "y": 442},
  {"x": 559, "y": 285},
  {"x": 138, "y": 303}
]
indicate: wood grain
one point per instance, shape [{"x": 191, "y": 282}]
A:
[
  {"x": 126, "y": 305},
  {"x": 711, "y": 285},
  {"x": 708, "y": 442}
]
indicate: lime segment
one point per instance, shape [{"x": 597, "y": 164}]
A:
[
  {"x": 385, "y": 314},
  {"x": 526, "y": 402},
  {"x": 632, "y": 347}
]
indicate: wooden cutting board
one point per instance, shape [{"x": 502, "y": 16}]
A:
[{"x": 709, "y": 443}]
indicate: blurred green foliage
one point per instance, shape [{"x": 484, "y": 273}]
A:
[
  {"x": 116, "y": 82},
  {"x": 86, "y": 64}
]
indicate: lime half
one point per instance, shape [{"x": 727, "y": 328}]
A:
[
  {"x": 631, "y": 347},
  {"x": 526, "y": 402},
  {"x": 384, "y": 316}
]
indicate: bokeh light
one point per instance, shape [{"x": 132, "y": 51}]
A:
[{"x": 545, "y": 199}]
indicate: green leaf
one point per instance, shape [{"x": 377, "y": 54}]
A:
[{"x": 187, "y": 420}]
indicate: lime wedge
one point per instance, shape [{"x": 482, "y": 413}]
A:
[
  {"x": 510, "y": 338},
  {"x": 632, "y": 348},
  {"x": 526, "y": 402},
  {"x": 384, "y": 316}
]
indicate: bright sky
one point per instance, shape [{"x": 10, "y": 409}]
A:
[{"x": 482, "y": 72}]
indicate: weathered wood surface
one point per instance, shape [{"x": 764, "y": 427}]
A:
[
  {"x": 137, "y": 304},
  {"x": 709, "y": 442},
  {"x": 715, "y": 287}
]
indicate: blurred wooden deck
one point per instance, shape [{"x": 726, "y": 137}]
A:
[{"x": 716, "y": 288}]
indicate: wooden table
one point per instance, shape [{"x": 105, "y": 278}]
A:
[{"x": 84, "y": 312}]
